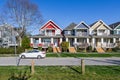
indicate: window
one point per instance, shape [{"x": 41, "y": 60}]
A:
[
  {"x": 118, "y": 32},
  {"x": 101, "y": 31},
  {"x": 69, "y": 32}
]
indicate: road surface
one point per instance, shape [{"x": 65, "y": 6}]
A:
[{"x": 13, "y": 61}]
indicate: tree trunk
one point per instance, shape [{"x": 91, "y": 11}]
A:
[{"x": 20, "y": 41}]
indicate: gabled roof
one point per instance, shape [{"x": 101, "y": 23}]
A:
[
  {"x": 70, "y": 26},
  {"x": 114, "y": 25},
  {"x": 100, "y": 21},
  {"x": 82, "y": 25},
  {"x": 51, "y": 23},
  {"x": 93, "y": 23}
]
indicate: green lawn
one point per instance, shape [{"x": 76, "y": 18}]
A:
[
  {"x": 80, "y": 54},
  {"x": 92, "y": 54},
  {"x": 60, "y": 73}
]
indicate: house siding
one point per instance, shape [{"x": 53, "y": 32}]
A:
[{"x": 102, "y": 37}]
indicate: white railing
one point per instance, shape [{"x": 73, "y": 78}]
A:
[
  {"x": 44, "y": 45},
  {"x": 109, "y": 45},
  {"x": 50, "y": 34},
  {"x": 100, "y": 34},
  {"x": 81, "y": 45},
  {"x": 81, "y": 34}
]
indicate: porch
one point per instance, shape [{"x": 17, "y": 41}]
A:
[
  {"x": 104, "y": 42},
  {"x": 45, "y": 42},
  {"x": 78, "y": 42}
]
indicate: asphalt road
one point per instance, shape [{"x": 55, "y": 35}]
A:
[{"x": 14, "y": 61}]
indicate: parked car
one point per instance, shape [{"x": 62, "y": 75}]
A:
[{"x": 33, "y": 54}]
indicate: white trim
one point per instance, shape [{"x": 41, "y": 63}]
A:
[
  {"x": 66, "y": 39},
  {"x": 88, "y": 40},
  {"x": 102, "y": 40},
  {"x": 51, "y": 40},
  {"x": 80, "y": 24},
  {"x": 60, "y": 40},
  {"x": 39, "y": 40},
  {"x": 31, "y": 40},
  {"x": 103, "y": 24},
  {"x": 117, "y": 27},
  {"x": 48, "y": 22},
  {"x": 75, "y": 40},
  {"x": 114, "y": 40}
]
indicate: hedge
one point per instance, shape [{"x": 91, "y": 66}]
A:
[{"x": 11, "y": 50}]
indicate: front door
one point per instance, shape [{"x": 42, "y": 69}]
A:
[{"x": 71, "y": 41}]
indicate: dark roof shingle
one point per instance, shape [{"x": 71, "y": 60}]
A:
[
  {"x": 71, "y": 26},
  {"x": 114, "y": 25}
]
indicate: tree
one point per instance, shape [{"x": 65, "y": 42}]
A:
[
  {"x": 23, "y": 14},
  {"x": 26, "y": 42}
]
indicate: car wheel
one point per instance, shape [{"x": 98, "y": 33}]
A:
[
  {"x": 23, "y": 56},
  {"x": 38, "y": 56}
]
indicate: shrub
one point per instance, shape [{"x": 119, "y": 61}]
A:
[
  {"x": 11, "y": 50},
  {"x": 26, "y": 42},
  {"x": 39, "y": 48},
  {"x": 65, "y": 46},
  {"x": 115, "y": 49},
  {"x": 89, "y": 48},
  {"x": 50, "y": 49}
]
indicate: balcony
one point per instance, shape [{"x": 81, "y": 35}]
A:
[
  {"x": 81, "y": 34},
  {"x": 102, "y": 34},
  {"x": 50, "y": 34}
]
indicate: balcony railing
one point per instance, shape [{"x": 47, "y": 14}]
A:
[
  {"x": 100, "y": 34},
  {"x": 50, "y": 34},
  {"x": 81, "y": 34}
]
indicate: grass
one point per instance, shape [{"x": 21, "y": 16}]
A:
[
  {"x": 60, "y": 73},
  {"x": 94, "y": 54}
]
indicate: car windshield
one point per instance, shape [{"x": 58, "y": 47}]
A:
[{"x": 32, "y": 51}]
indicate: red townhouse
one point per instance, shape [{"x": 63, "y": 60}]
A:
[{"x": 50, "y": 35}]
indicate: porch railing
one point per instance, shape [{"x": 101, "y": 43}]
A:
[
  {"x": 81, "y": 45},
  {"x": 44, "y": 45},
  {"x": 109, "y": 45}
]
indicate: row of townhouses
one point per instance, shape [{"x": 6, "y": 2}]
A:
[{"x": 98, "y": 34}]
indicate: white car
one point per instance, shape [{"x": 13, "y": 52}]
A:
[{"x": 33, "y": 54}]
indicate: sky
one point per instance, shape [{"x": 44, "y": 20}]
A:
[{"x": 64, "y": 12}]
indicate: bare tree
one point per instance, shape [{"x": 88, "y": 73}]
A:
[{"x": 22, "y": 13}]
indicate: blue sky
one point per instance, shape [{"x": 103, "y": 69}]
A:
[{"x": 63, "y": 12}]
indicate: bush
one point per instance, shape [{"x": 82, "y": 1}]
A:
[
  {"x": 40, "y": 48},
  {"x": 115, "y": 49},
  {"x": 11, "y": 50},
  {"x": 89, "y": 48},
  {"x": 50, "y": 49},
  {"x": 65, "y": 46}
]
